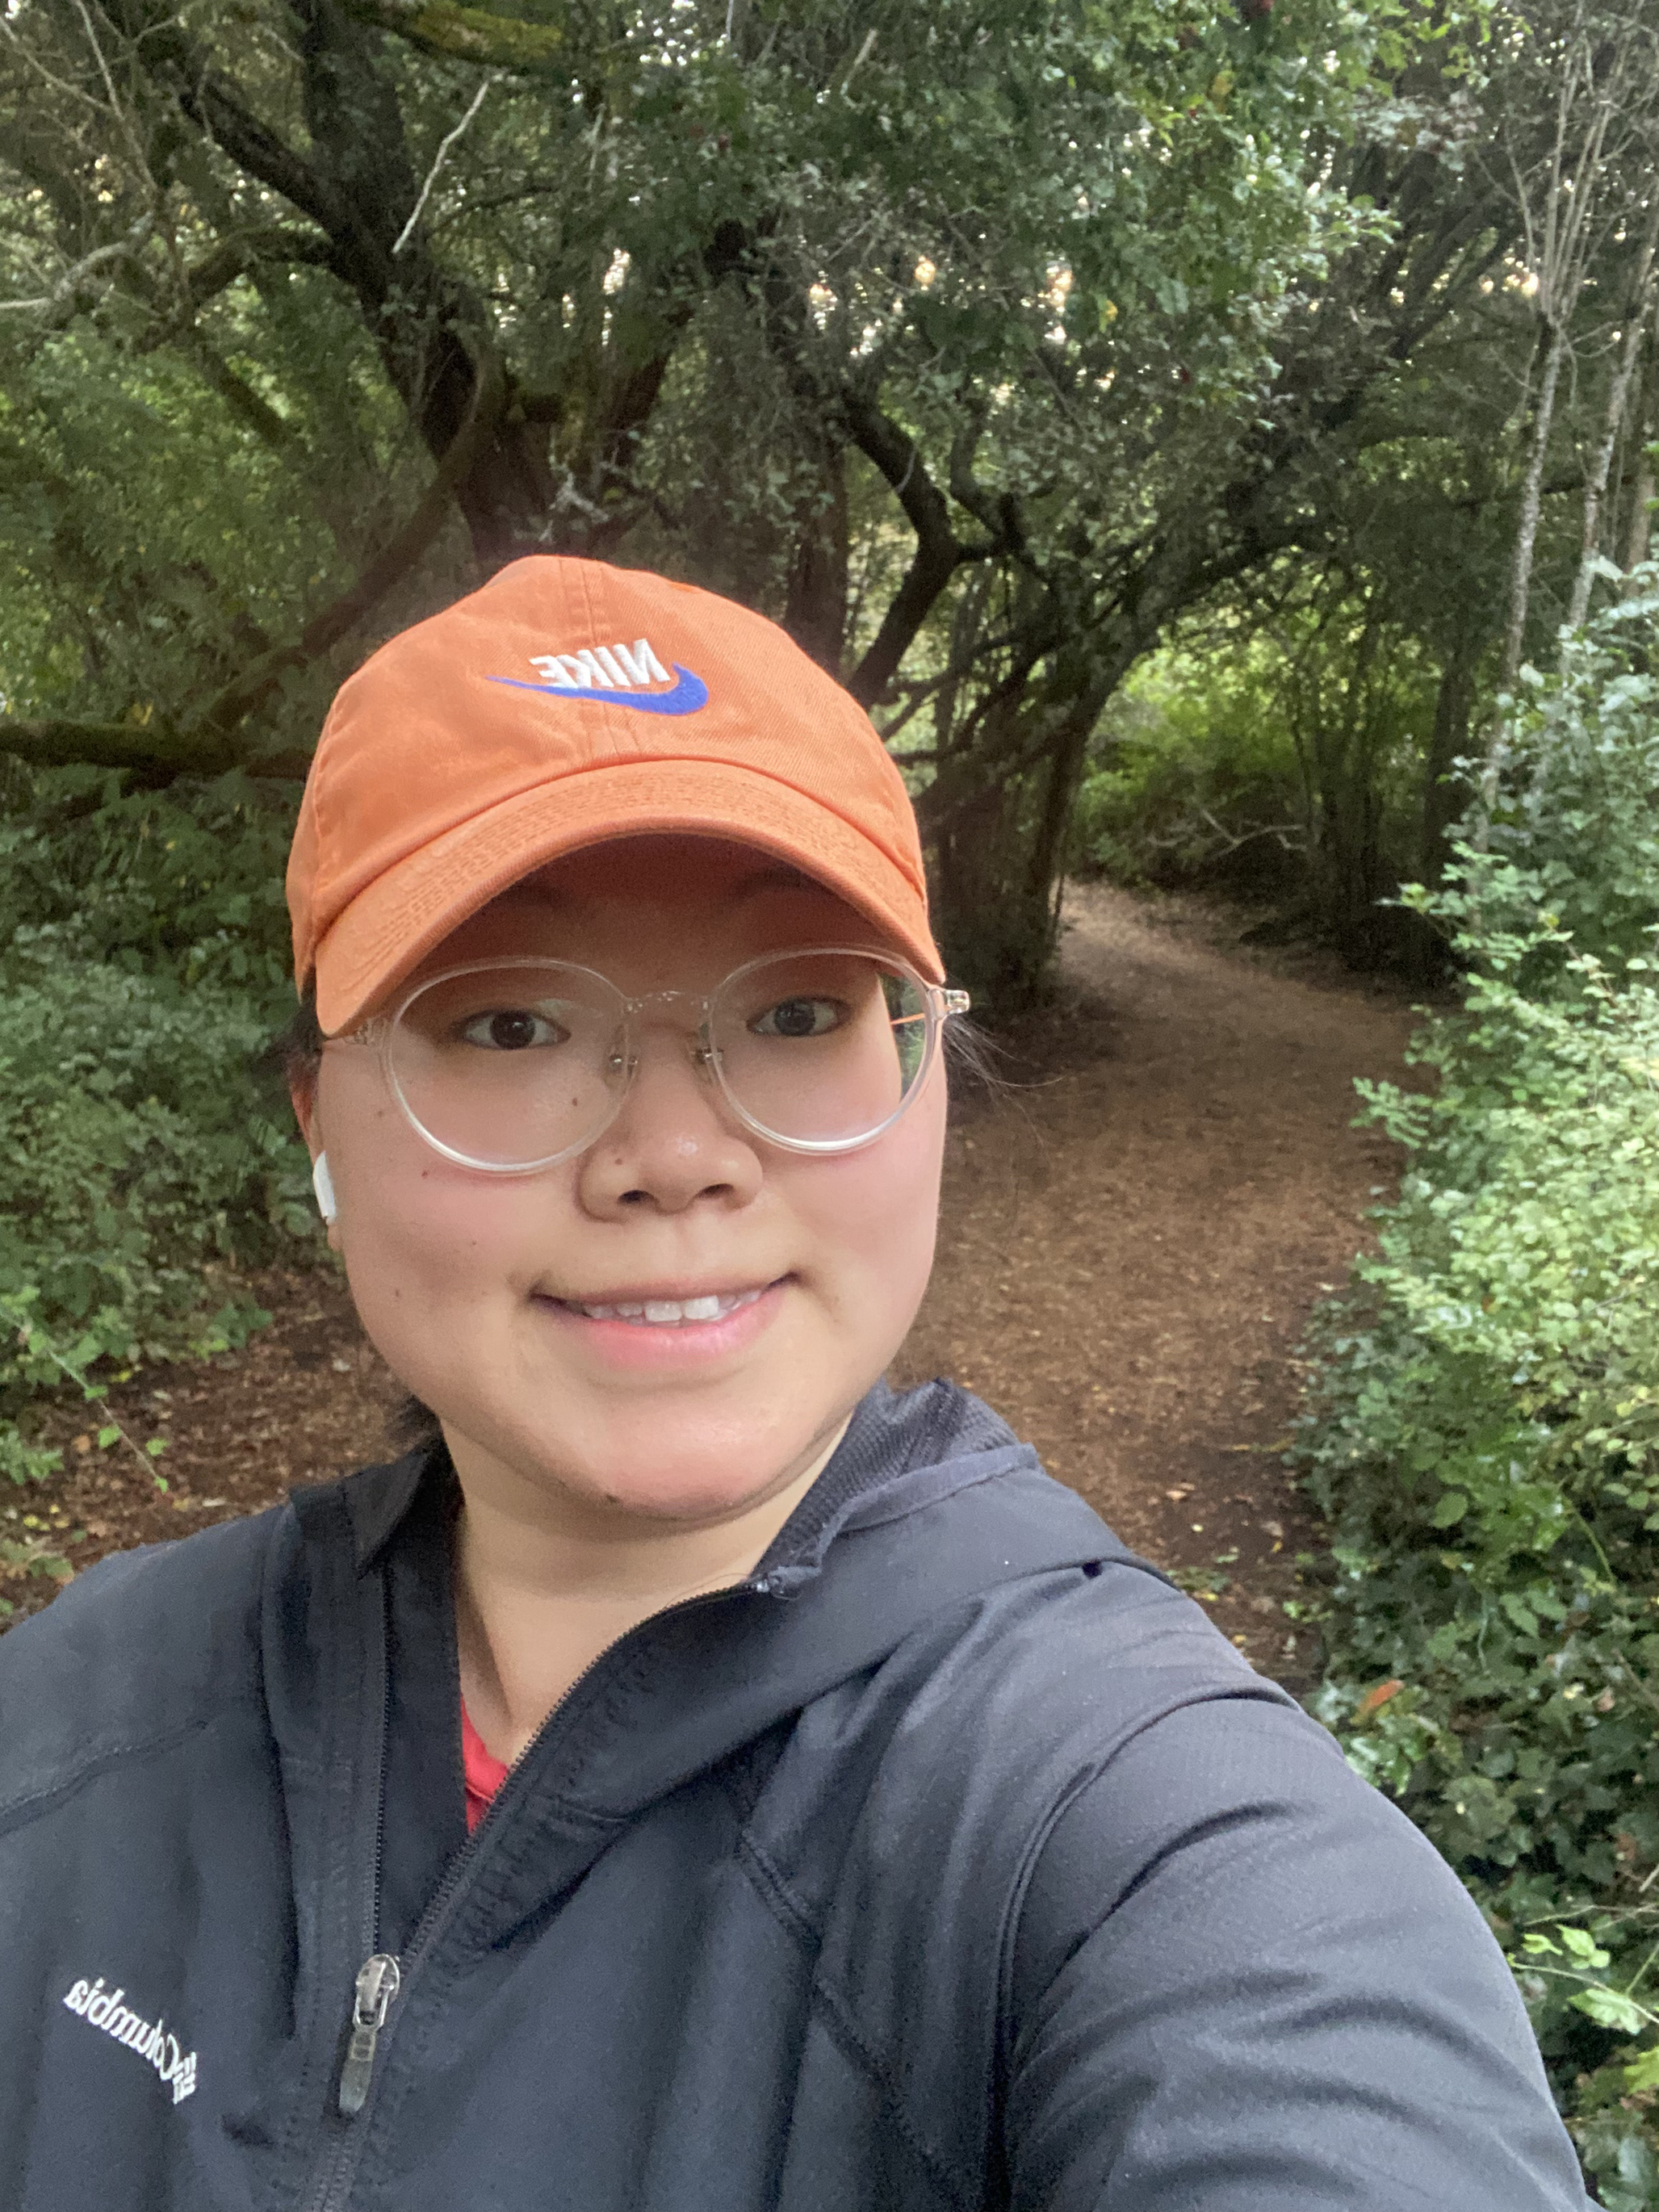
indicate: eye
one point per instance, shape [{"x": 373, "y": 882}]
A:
[
  {"x": 800, "y": 1018},
  {"x": 510, "y": 1029}
]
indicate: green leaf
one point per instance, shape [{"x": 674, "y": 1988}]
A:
[
  {"x": 1610, "y": 2010},
  {"x": 1451, "y": 1507},
  {"x": 1583, "y": 1947}
]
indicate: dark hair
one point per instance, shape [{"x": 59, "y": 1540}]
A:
[
  {"x": 974, "y": 1061},
  {"x": 297, "y": 1045}
]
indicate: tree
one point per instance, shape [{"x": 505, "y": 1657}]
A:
[
  {"x": 976, "y": 342},
  {"x": 1582, "y": 182}
]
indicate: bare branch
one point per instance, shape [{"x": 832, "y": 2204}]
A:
[
  {"x": 61, "y": 298},
  {"x": 438, "y": 160}
]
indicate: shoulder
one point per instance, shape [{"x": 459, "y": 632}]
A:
[
  {"x": 1227, "y": 1893},
  {"x": 145, "y": 1645},
  {"x": 150, "y": 1644},
  {"x": 1047, "y": 1617},
  {"x": 1015, "y": 1654}
]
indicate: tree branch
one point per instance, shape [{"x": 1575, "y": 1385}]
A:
[
  {"x": 445, "y": 145},
  {"x": 239, "y": 396},
  {"x": 154, "y": 753},
  {"x": 938, "y": 553},
  {"x": 240, "y": 698},
  {"x": 157, "y": 753},
  {"x": 476, "y": 35},
  {"x": 60, "y": 301},
  {"x": 237, "y": 256},
  {"x": 172, "y": 58}
]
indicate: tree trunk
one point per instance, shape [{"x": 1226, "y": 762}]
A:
[
  {"x": 815, "y": 610},
  {"x": 1532, "y": 498},
  {"x": 1526, "y": 540},
  {"x": 1618, "y": 395},
  {"x": 1454, "y": 703},
  {"x": 1638, "y": 530}
]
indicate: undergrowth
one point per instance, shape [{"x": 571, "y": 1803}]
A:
[
  {"x": 146, "y": 1154},
  {"x": 1482, "y": 1430}
]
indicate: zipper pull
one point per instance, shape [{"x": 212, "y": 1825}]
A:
[{"x": 377, "y": 1982}]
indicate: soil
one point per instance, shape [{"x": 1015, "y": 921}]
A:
[{"x": 1134, "y": 1235}]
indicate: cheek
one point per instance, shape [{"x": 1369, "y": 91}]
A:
[
  {"x": 873, "y": 1216},
  {"x": 420, "y": 1239}
]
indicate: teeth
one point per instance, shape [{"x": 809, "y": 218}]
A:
[{"x": 671, "y": 1312}]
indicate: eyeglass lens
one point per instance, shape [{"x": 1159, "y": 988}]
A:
[{"x": 514, "y": 1065}]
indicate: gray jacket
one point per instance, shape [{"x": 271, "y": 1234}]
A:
[{"x": 953, "y": 1861}]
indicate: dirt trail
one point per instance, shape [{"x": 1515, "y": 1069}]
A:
[
  {"x": 1131, "y": 1248},
  {"x": 1131, "y": 1244}
]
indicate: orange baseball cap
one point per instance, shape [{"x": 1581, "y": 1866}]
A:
[{"x": 564, "y": 703}]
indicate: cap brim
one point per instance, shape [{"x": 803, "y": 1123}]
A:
[{"x": 394, "y": 922}]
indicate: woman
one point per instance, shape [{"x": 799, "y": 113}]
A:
[{"x": 696, "y": 1778}]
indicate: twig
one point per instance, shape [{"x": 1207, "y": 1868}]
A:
[
  {"x": 69, "y": 282},
  {"x": 36, "y": 1339},
  {"x": 859, "y": 60},
  {"x": 1291, "y": 836},
  {"x": 438, "y": 160}
]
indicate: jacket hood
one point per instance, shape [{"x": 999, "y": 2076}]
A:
[{"x": 865, "y": 1562}]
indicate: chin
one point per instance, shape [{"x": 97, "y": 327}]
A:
[
  {"x": 697, "y": 1479},
  {"x": 688, "y": 1491}
]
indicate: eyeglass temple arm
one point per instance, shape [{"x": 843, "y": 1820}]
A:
[{"x": 952, "y": 1002}]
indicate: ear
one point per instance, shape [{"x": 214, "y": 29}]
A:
[
  {"x": 323, "y": 1184},
  {"x": 304, "y": 1097}
]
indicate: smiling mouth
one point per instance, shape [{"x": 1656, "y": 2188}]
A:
[{"x": 668, "y": 1312}]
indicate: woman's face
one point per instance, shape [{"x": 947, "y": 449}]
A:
[{"x": 474, "y": 1285}]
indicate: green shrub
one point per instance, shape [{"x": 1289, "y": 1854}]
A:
[
  {"x": 1483, "y": 1434},
  {"x": 146, "y": 1153},
  {"x": 1482, "y": 1428},
  {"x": 1193, "y": 764},
  {"x": 1578, "y": 817}
]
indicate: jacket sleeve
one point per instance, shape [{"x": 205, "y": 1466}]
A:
[{"x": 1244, "y": 1982}]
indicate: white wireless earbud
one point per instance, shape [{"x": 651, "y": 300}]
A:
[{"x": 323, "y": 1184}]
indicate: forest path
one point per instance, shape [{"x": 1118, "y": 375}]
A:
[
  {"x": 1132, "y": 1246},
  {"x": 1132, "y": 1240}
]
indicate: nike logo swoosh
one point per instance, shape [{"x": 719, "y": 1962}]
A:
[{"x": 689, "y": 693}]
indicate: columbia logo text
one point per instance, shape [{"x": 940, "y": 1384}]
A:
[
  {"x": 149, "y": 2039},
  {"x": 616, "y": 668}
]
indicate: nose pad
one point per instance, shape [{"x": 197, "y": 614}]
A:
[
  {"x": 622, "y": 1063},
  {"x": 627, "y": 1056},
  {"x": 667, "y": 1144}
]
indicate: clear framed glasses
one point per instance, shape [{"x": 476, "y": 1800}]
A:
[{"x": 512, "y": 1065}]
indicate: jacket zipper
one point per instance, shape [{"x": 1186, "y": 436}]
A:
[
  {"x": 381, "y": 1978},
  {"x": 376, "y": 1985}
]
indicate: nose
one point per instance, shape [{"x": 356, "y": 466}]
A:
[{"x": 673, "y": 1145}]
